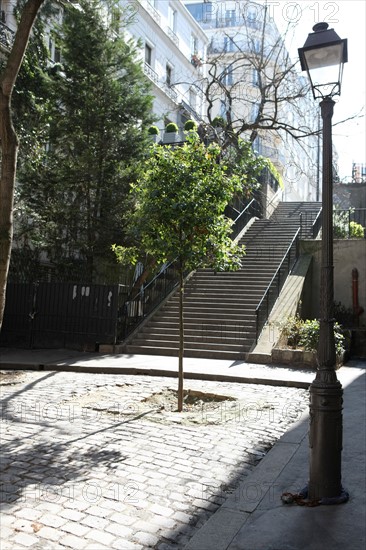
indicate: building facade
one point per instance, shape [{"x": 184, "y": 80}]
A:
[
  {"x": 254, "y": 84},
  {"x": 182, "y": 44},
  {"x": 172, "y": 48}
]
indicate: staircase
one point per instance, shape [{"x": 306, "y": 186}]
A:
[{"x": 219, "y": 307}]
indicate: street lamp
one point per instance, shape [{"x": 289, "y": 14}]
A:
[{"x": 323, "y": 56}]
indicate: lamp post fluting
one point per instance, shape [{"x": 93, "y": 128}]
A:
[{"x": 323, "y": 50}]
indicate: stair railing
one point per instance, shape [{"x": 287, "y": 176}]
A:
[
  {"x": 135, "y": 309},
  {"x": 274, "y": 288},
  {"x": 252, "y": 209},
  {"x": 317, "y": 223}
]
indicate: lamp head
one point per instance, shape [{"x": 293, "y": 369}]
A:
[{"x": 323, "y": 56}]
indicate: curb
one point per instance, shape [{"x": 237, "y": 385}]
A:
[{"x": 190, "y": 375}]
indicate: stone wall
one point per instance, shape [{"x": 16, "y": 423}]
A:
[{"x": 348, "y": 254}]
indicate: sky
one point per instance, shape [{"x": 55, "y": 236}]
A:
[{"x": 348, "y": 19}]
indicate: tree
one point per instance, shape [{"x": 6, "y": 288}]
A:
[
  {"x": 75, "y": 198},
  {"x": 9, "y": 142},
  {"x": 179, "y": 215}
]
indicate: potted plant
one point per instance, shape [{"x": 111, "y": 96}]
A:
[
  {"x": 190, "y": 126},
  {"x": 171, "y": 132},
  {"x": 154, "y": 133},
  {"x": 196, "y": 61},
  {"x": 218, "y": 122}
]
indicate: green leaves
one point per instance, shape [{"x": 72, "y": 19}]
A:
[
  {"x": 180, "y": 200},
  {"x": 93, "y": 133}
]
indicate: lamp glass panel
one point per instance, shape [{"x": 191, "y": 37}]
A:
[{"x": 318, "y": 58}]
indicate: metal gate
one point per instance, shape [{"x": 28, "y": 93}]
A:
[{"x": 61, "y": 315}]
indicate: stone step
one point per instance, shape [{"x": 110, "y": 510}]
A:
[
  {"x": 219, "y": 307},
  {"x": 188, "y": 352},
  {"x": 224, "y": 344},
  {"x": 200, "y": 333}
]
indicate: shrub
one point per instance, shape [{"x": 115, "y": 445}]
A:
[
  {"x": 171, "y": 128},
  {"x": 340, "y": 223},
  {"x": 290, "y": 329},
  {"x": 305, "y": 334},
  {"x": 218, "y": 122},
  {"x": 356, "y": 230},
  {"x": 190, "y": 125},
  {"x": 153, "y": 131}
]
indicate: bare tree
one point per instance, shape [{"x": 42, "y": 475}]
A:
[
  {"x": 9, "y": 142},
  {"x": 254, "y": 86},
  {"x": 252, "y": 82}
]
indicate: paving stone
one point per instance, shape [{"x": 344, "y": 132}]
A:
[
  {"x": 101, "y": 537},
  {"x": 135, "y": 485},
  {"x": 118, "y": 530},
  {"x": 75, "y": 529},
  {"x": 146, "y": 539},
  {"x": 49, "y": 533},
  {"x": 73, "y": 515},
  {"x": 24, "y": 540},
  {"x": 161, "y": 510},
  {"x": 70, "y": 541}
]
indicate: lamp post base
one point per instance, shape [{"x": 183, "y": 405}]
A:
[
  {"x": 325, "y": 436},
  {"x": 302, "y": 498}
]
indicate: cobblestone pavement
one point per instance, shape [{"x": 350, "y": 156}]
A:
[{"x": 95, "y": 461}]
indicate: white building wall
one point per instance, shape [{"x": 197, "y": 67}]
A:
[{"x": 173, "y": 40}]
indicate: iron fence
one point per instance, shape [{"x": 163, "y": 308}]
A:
[{"x": 61, "y": 315}]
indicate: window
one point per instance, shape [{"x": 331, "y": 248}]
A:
[
  {"x": 168, "y": 74},
  {"x": 228, "y": 76},
  {"x": 2, "y": 13},
  {"x": 194, "y": 44},
  {"x": 223, "y": 108},
  {"x": 229, "y": 44},
  {"x": 193, "y": 99},
  {"x": 255, "y": 112},
  {"x": 148, "y": 54},
  {"x": 203, "y": 11},
  {"x": 257, "y": 46},
  {"x": 55, "y": 53},
  {"x": 255, "y": 78},
  {"x": 172, "y": 19},
  {"x": 230, "y": 18}
]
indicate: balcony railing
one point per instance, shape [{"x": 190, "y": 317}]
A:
[
  {"x": 6, "y": 36},
  {"x": 151, "y": 10},
  {"x": 173, "y": 36},
  {"x": 149, "y": 71}
]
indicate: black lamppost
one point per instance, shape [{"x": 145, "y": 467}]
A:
[{"x": 323, "y": 56}]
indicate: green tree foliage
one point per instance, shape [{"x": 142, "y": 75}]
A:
[
  {"x": 9, "y": 141},
  {"x": 75, "y": 197},
  {"x": 179, "y": 215}
]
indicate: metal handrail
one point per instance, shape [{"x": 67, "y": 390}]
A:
[
  {"x": 252, "y": 209},
  {"x": 138, "y": 306},
  {"x": 317, "y": 223},
  {"x": 276, "y": 280}
]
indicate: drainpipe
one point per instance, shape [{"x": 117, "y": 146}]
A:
[{"x": 357, "y": 309}]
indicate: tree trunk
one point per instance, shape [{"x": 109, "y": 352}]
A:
[
  {"x": 9, "y": 145},
  {"x": 9, "y": 141},
  {"x": 181, "y": 341}
]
